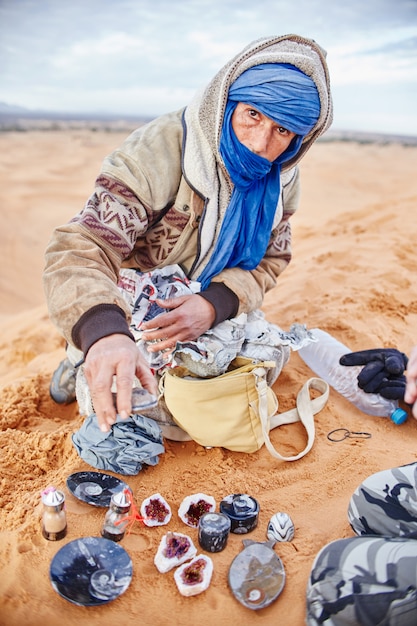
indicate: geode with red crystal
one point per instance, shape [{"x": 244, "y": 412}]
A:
[
  {"x": 194, "y": 506},
  {"x": 174, "y": 549},
  {"x": 155, "y": 510},
  {"x": 194, "y": 577}
]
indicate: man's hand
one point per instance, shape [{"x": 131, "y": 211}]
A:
[
  {"x": 115, "y": 355},
  {"x": 411, "y": 388},
  {"x": 187, "y": 318}
]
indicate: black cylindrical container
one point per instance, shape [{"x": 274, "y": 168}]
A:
[
  {"x": 213, "y": 531},
  {"x": 242, "y": 510}
]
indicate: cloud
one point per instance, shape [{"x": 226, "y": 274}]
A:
[
  {"x": 117, "y": 44},
  {"x": 367, "y": 61},
  {"x": 150, "y": 56}
]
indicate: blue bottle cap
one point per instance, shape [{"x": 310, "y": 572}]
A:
[{"x": 399, "y": 416}]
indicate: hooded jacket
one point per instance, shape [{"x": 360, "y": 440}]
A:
[{"x": 160, "y": 200}]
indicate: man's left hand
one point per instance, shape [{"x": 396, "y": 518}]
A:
[{"x": 187, "y": 318}]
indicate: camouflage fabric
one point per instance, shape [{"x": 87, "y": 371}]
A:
[
  {"x": 386, "y": 504},
  {"x": 371, "y": 580}
]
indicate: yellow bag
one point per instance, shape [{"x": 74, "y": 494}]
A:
[{"x": 237, "y": 409}]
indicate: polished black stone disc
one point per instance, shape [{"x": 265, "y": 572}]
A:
[
  {"x": 256, "y": 575},
  {"x": 95, "y": 488},
  {"x": 91, "y": 571}
]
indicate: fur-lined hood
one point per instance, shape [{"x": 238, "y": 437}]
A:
[
  {"x": 204, "y": 115},
  {"x": 202, "y": 164}
]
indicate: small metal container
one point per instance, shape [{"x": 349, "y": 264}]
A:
[
  {"x": 243, "y": 512},
  {"x": 213, "y": 531},
  {"x": 117, "y": 517}
]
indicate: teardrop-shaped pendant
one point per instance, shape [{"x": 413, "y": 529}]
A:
[{"x": 256, "y": 575}]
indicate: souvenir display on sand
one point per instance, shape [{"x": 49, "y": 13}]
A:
[
  {"x": 117, "y": 517},
  {"x": 54, "y": 520},
  {"x": 256, "y": 575},
  {"x": 95, "y": 488},
  {"x": 213, "y": 531},
  {"x": 91, "y": 571},
  {"x": 243, "y": 511},
  {"x": 194, "y": 577},
  {"x": 174, "y": 549},
  {"x": 194, "y": 506},
  {"x": 280, "y": 527},
  {"x": 155, "y": 511}
]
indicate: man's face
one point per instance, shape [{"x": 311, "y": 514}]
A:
[{"x": 259, "y": 133}]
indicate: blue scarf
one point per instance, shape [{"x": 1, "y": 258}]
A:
[{"x": 289, "y": 97}]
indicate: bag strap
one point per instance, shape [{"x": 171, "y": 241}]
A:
[{"x": 304, "y": 412}]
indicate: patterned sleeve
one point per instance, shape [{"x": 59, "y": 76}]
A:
[
  {"x": 114, "y": 215},
  {"x": 89, "y": 250}
]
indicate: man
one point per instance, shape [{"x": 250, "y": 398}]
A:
[{"x": 210, "y": 188}]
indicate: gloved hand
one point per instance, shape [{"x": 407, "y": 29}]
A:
[{"x": 383, "y": 372}]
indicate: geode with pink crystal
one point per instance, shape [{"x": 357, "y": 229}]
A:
[{"x": 174, "y": 549}]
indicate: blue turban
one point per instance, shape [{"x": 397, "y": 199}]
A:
[{"x": 289, "y": 97}]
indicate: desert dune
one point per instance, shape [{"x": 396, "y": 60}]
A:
[{"x": 353, "y": 274}]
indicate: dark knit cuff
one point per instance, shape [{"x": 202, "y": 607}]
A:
[
  {"x": 224, "y": 301},
  {"x": 98, "y": 322}
]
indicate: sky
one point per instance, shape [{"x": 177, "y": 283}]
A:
[{"x": 148, "y": 57}]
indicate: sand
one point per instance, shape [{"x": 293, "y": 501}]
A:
[{"x": 353, "y": 274}]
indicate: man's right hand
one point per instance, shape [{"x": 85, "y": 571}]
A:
[
  {"x": 115, "y": 355},
  {"x": 411, "y": 375}
]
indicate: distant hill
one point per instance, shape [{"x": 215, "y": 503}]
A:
[
  {"x": 14, "y": 117},
  {"x": 368, "y": 137},
  {"x": 19, "y": 118},
  {"x": 11, "y": 109}
]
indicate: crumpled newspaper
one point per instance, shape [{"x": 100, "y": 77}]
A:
[
  {"x": 298, "y": 336},
  {"x": 141, "y": 290},
  {"x": 211, "y": 354}
]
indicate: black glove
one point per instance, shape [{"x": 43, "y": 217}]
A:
[{"x": 383, "y": 372}]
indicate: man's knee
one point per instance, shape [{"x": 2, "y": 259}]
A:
[
  {"x": 385, "y": 503},
  {"x": 361, "y": 581}
]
